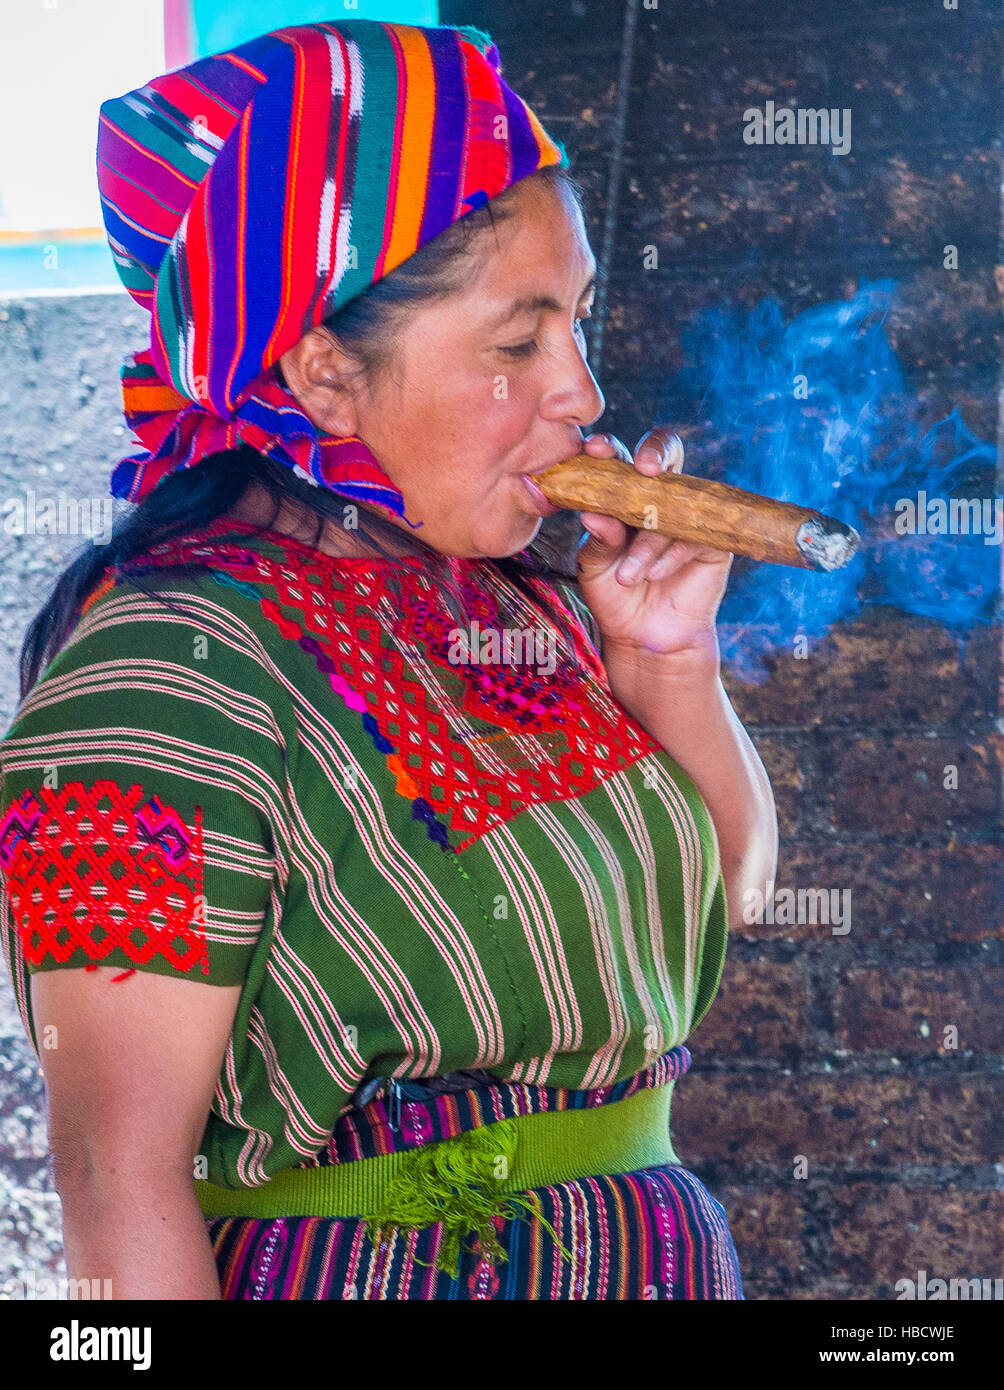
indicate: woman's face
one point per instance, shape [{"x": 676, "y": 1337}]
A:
[{"x": 482, "y": 393}]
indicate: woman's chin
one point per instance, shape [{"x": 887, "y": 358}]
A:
[
  {"x": 521, "y": 536},
  {"x": 497, "y": 543}
]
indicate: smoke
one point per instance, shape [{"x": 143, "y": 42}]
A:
[{"x": 818, "y": 412}]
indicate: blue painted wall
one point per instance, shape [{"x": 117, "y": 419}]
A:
[{"x": 220, "y": 24}]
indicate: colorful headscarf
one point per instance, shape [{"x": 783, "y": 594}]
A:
[{"x": 251, "y": 194}]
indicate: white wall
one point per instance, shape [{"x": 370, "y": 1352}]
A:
[{"x": 59, "y": 60}]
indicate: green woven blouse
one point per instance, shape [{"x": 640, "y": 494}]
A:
[{"x": 414, "y": 854}]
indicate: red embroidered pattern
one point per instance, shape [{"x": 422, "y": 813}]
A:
[
  {"x": 516, "y": 696},
  {"x": 98, "y": 870},
  {"x": 575, "y": 735}
]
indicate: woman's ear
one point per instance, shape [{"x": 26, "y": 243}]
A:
[{"x": 318, "y": 375}]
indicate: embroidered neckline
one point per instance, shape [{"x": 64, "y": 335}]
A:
[
  {"x": 463, "y": 570},
  {"x": 566, "y": 733},
  {"x": 222, "y": 527}
]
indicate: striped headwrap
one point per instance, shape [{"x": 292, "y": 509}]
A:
[{"x": 251, "y": 194}]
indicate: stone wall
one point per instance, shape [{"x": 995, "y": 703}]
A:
[{"x": 62, "y": 429}]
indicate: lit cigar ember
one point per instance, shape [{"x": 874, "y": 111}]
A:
[{"x": 698, "y": 509}]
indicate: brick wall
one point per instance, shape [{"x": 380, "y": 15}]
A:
[{"x": 827, "y": 1047}]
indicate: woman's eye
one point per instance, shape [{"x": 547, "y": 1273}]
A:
[{"x": 525, "y": 349}]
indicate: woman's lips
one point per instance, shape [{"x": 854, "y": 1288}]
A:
[{"x": 540, "y": 503}]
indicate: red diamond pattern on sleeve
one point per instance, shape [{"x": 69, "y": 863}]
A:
[{"x": 97, "y": 868}]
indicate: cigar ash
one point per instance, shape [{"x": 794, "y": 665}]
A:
[{"x": 826, "y": 543}]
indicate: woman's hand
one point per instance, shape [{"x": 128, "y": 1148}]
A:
[{"x": 651, "y": 595}]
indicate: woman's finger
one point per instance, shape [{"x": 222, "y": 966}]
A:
[
  {"x": 607, "y": 446},
  {"x": 680, "y": 553},
  {"x": 642, "y": 555},
  {"x": 660, "y": 450},
  {"x": 606, "y": 531}
]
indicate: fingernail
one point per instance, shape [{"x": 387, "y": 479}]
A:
[{"x": 629, "y": 571}]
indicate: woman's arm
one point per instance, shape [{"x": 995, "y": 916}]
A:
[
  {"x": 129, "y": 1082},
  {"x": 685, "y": 707}
]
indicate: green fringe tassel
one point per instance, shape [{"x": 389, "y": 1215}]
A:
[
  {"x": 478, "y": 37},
  {"x": 453, "y": 1182}
]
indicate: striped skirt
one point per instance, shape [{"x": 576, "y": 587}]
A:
[{"x": 656, "y": 1233}]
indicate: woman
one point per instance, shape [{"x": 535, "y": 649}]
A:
[{"x": 358, "y": 951}]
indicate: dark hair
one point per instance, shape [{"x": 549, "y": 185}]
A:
[{"x": 191, "y": 498}]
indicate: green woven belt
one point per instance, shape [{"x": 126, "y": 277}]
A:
[{"x": 540, "y": 1149}]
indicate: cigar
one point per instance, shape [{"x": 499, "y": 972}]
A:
[{"x": 698, "y": 509}]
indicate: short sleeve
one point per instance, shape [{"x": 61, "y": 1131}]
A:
[{"x": 138, "y": 797}]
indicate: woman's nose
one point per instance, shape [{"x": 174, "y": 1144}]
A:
[
  {"x": 577, "y": 395},
  {"x": 597, "y": 404}
]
